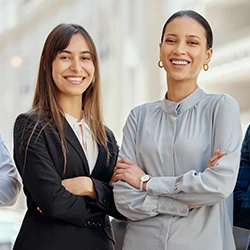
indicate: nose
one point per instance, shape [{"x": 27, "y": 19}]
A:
[
  {"x": 180, "y": 49},
  {"x": 75, "y": 66}
]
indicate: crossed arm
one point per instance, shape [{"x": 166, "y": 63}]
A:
[
  {"x": 175, "y": 195},
  {"x": 130, "y": 172},
  {"x": 43, "y": 183}
]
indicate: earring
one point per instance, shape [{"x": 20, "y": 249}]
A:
[
  {"x": 205, "y": 67},
  {"x": 160, "y": 65}
]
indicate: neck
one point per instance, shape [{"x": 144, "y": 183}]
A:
[
  {"x": 178, "y": 91},
  {"x": 71, "y": 105}
]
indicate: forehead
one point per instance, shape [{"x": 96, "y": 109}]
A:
[
  {"x": 185, "y": 25},
  {"x": 78, "y": 42}
]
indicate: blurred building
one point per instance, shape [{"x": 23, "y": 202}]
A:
[
  {"x": 230, "y": 67},
  {"x": 127, "y": 35}
]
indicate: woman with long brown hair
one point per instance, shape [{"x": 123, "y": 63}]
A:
[{"x": 64, "y": 153}]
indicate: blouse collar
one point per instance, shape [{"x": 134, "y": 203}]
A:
[
  {"x": 177, "y": 108},
  {"x": 74, "y": 123}
]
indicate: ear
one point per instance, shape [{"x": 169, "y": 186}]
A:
[{"x": 209, "y": 54}]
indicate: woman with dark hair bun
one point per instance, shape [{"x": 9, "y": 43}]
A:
[
  {"x": 64, "y": 153},
  {"x": 179, "y": 157}
]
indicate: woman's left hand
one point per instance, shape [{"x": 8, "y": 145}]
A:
[
  {"x": 128, "y": 171},
  {"x": 81, "y": 186}
]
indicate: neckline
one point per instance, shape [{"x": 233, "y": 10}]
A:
[{"x": 177, "y": 108}]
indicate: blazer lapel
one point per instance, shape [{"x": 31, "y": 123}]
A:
[
  {"x": 73, "y": 140},
  {"x": 100, "y": 162}
]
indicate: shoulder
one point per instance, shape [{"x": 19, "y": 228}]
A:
[
  {"x": 25, "y": 120},
  {"x": 221, "y": 99},
  {"x": 221, "y": 103},
  {"x": 30, "y": 116},
  {"x": 248, "y": 132},
  {"x": 146, "y": 108},
  {"x": 23, "y": 126},
  {"x": 223, "y": 110},
  {"x": 29, "y": 123},
  {"x": 109, "y": 133},
  {"x": 112, "y": 143}
]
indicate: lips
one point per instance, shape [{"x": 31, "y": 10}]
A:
[
  {"x": 179, "y": 62},
  {"x": 75, "y": 79}
]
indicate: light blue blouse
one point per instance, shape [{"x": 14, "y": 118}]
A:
[
  {"x": 9, "y": 183},
  {"x": 173, "y": 143}
]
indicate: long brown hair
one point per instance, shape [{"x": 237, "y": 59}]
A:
[{"x": 45, "y": 103}]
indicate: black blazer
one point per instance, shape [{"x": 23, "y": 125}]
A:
[{"x": 68, "y": 221}]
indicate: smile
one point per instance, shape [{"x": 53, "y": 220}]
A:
[
  {"x": 75, "y": 79},
  {"x": 179, "y": 62}
]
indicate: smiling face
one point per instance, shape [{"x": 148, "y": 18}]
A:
[
  {"x": 73, "y": 68},
  {"x": 183, "y": 50}
]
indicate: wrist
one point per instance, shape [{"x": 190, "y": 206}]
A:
[
  {"x": 144, "y": 186},
  {"x": 143, "y": 181},
  {"x": 91, "y": 189}
]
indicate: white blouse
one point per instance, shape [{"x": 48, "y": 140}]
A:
[{"x": 84, "y": 135}]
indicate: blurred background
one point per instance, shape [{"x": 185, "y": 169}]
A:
[{"x": 127, "y": 35}]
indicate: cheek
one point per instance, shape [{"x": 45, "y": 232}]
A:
[
  {"x": 200, "y": 61},
  {"x": 56, "y": 76},
  {"x": 164, "y": 52},
  {"x": 57, "y": 69},
  {"x": 199, "y": 55},
  {"x": 89, "y": 67},
  {"x": 54, "y": 70}
]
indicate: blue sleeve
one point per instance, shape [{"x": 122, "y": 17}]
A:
[
  {"x": 9, "y": 183},
  {"x": 242, "y": 189}
]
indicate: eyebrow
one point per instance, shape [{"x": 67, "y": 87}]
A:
[
  {"x": 69, "y": 52},
  {"x": 187, "y": 36}
]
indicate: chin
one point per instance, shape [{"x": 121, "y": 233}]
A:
[{"x": 178, "y": 78}]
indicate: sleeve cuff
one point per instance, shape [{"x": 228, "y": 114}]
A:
[
  {"x": 164, "y": 186},
  {"x": 172, "y": 207}
]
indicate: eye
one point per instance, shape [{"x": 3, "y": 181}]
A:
[
  {"x": 64, "y": 57},
  {"x": 85, "y": 58},
  {"x": 193, "y": 43},
  {"x": 170, "y": 41}
]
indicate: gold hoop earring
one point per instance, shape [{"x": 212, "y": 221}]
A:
[
  {"x": 160, "y": 65},
  {"x": 205, "y": 67}
]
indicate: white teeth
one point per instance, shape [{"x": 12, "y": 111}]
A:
[
  {"x": 179, "y": 62},
  {"x": 75, "y": 79}
]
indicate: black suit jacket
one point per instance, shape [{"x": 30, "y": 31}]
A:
[{"x": 68, "y": 221}]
